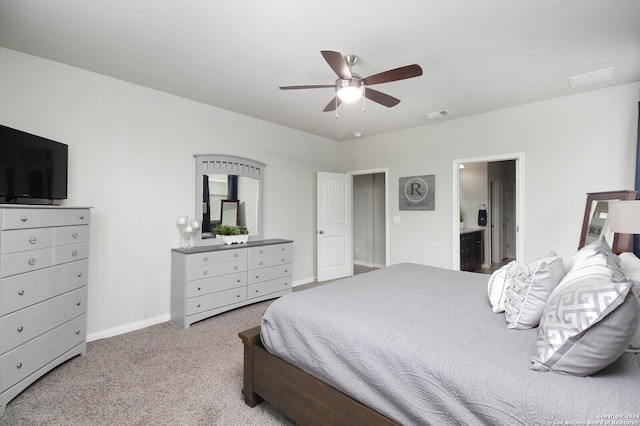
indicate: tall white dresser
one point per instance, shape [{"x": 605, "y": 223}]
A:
[
  {"x": 207, "y": 281},
  {"x": 44, "y": 254}
]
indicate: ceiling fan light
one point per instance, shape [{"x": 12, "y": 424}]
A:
[{"x": 349, "y": 90}]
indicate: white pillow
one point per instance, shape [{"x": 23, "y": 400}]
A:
[
  {"x": 529, "y": 290},
  {"x": 498, "y": 283},
  {"x": 586, "y": 325},
  {"x": 590, "y": 318},
  {"x": 630, "y": 266}
]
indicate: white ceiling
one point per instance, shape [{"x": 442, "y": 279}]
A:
[{"x": 477, "y": 55}]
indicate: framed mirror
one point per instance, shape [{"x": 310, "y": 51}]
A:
[
  {"x": 239, "y": 183},
  {"x": 595, "y": 222},
  {"x": 230, "y": 212}
]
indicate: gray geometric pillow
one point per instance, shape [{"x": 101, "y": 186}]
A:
[{"x": 587, "y": 324}]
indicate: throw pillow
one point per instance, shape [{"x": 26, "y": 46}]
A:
[
  {"x": 586, "y": 325},
  {"x": 630, "y": 266},
  {"x": 498, "y": 283},
  {"x": 529, "y": 290}
]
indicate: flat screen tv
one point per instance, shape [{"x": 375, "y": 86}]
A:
[{"x": 31, "y": 167}]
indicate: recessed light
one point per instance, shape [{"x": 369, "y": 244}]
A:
[
  {"x": 357, "y": 134},
  {"x": 594, "y": 77},
  {"x": 436, "y": 114}
]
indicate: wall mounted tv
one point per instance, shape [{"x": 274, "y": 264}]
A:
[{"x": 31, "y": 167}]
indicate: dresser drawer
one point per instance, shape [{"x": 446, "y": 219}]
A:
[
  {"x": 70, "y": 235},
  {"x": 207, "y": 302},
  {"x": 270, "y": 250},
  {"x": 45, "y": 217},
  {"x": 215, "y": 270},
  {"x": 212, "y": 258},
  {"x": 212, "y": 285},
  {"x": 70, "y": 253},
  {"x": 266, "y": 261},
  {"x": 26, "y": 359},
  {"x": 268, "y": 287},
  {"x": 20, "y": 291},
  {"x": 26, "y": 261},
  {"x": 22, "y": 326},
  {"x": 265, "y": 274},
  {"x": 26, "y": 239}
]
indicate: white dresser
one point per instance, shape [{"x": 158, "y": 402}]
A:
[
  {"x": 206, "y": 281},
  {"x": 44, "y": 254}
]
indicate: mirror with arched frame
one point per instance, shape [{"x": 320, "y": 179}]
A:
[{"x": 233, "y": 179}]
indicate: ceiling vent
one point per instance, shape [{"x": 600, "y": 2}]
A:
[
  {"x": 594, "y": 77},
  {"x": 436, "y": 114}
]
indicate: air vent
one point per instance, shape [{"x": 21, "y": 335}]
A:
[
  {"x": 436, "y": 114},
  {"x": 594, "y": 77}
]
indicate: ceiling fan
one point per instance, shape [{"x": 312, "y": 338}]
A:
[{"x": 350, "y": 86}]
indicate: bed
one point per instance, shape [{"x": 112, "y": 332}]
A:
[{"x": 414, "y": 344}]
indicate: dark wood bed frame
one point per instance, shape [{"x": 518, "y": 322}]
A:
[{"x": 295, "y": 393}]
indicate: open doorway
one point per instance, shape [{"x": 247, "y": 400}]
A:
[
  {"x": 497, "y": 185},
  {"x": 370, "y": 233}
]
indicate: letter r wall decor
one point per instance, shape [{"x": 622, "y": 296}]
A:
[{"x": 418, "y": 193}]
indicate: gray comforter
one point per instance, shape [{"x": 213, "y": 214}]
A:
[{"x": 422, "y": 346}]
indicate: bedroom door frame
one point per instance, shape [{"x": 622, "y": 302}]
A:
[
  {"x": 321, "y": 274},
  {"x": 387, "y": 237},
  {"x": 519, "y": 158}
]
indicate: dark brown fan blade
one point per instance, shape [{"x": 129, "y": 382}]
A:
[
  {"x": 401, "y": 73},
  {"x": 333, "y": 104},
  {"x": 381, "y": 98},
  {"x": 308, "y": 86},
  {"x": 337, "y": 63}
]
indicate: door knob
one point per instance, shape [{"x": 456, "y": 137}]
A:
[{"x": 321, "y": 232}]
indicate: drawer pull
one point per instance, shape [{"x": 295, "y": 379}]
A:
[
  {"x": 256, "y": 290},
  {"x": 205, "y": 272},
  {"x": 81, "y": 217},
  {"x": 198, "y": 305},
  {"x": 238, "y": 296},
  {"x": 238, "y": 281},
  {"x": 199, "y": 288},
  {"x": 79, "y": 274},
  {"x": 256, "y": 277},
  {"x": 20, "y": 328},
  {"x": 283, "y": 259},
  {"x": 286, "y": 284},
  {"x": 74, "y": 235},
  {"x": 235, "y": 254},
  {"x": 21, "y": 292},
  {"x": 74, "y": 253},
  {"x": 77, "y": 331},
  {"x": 23, "y": 218},
  {"x": 286, "y": 270},
  {"x": 19, "y": 365},
  {"x": 260, "y": 252},
  {"x": 33, "y": 240},
  {"x": 205, "y": 259},
  {"x": 78, "y": 303},
  {"x": 282, "y": 249},
  {"x": 32, "y": 261},
  {"x": 260, "y": 264},
  {"x": 235, "y": 268}
]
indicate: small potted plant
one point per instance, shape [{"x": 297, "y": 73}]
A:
[
  {"x": 463, "y": 213},
  {"x": 231, "y": 234}
]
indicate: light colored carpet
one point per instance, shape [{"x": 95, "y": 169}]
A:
[{"x": 160, "y": 375}]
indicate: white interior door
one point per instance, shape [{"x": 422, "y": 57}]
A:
[{"x": 334, "y": 233}]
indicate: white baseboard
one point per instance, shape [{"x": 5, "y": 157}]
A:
[
  {"x": 303, "y": 281},
  {"x": 157, "y": 320},
  {"x": 368, "y": 264},
  {"x": 128, "y": 327}
]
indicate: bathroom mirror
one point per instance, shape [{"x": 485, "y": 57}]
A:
[
  {"x": 237, "y": 181},
  {"x": 596, "y": 223}
]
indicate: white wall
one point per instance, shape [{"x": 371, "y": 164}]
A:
[
  {"x": 572, "y": 145},
  {"x": 131, "y": 158}
]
